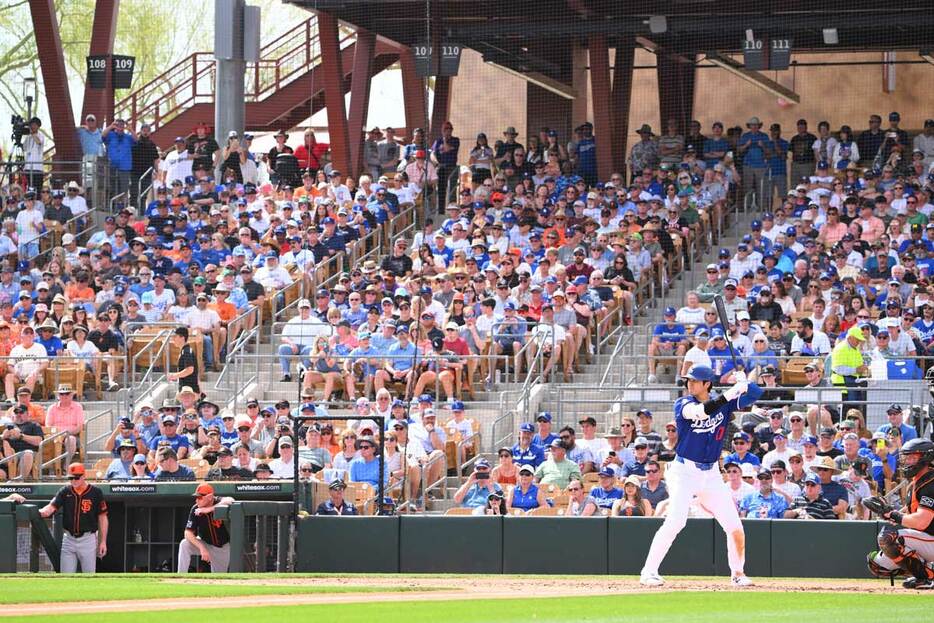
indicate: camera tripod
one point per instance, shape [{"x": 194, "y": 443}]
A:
[{"x": 12, "y": 171}]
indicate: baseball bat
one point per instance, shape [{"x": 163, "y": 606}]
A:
[{"x": 724, "y": 320}]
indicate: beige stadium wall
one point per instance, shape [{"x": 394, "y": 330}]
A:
[
  {"x": 486, "y": 99},
  {"x": 839, "y": 95}
]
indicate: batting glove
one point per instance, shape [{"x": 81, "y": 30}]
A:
[
  {"x": 739, "y": 376},
  {"x": 736, "y": 391}
]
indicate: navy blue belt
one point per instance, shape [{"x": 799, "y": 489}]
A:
[{"x": 701, "y": 466}]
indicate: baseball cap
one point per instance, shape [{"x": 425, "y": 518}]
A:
[
  {"x": 75, "y": 470},
  {"x": 526, "y": 428},
  {"x": 670, "y": 311},
  {"x": 606, "y": 472},
  {"x": 204, "y": 489},
  {"x": 641, "y": 442},
  {"x": 544, "y": 416}
]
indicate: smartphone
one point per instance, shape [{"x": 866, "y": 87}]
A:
[
  {"x": 880, "y": 443},
  {"x": 612, "y": 453}
]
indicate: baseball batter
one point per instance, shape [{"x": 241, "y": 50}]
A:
[
  {"x": 702, "y": 422},
  {"x": 84, "y": 517},
  {"x": 907, "y": 544},
  {"x": 205, "y": 535}
]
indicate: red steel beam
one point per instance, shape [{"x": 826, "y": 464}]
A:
[
  {"x": 621, "y": 97},
  {"x": 100, "y": 102},
  {"x": 675, "y": 90},
  {"x": 333, "y": 76},
  {"x": 413, "y": 93},
  {"x": 55, "y": 80},
  {"x": 602, "y": 109},
  {"x": 360, "y": 82},
  {"x": 441, "y": 105}
]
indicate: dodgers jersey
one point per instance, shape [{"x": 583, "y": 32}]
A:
[{"x": 701, "y": 440}]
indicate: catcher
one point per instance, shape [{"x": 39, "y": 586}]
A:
[{"x": 906, "y": 547}]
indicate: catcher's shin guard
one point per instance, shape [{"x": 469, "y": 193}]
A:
[
  {"x": 893, "y": 546},
  {"x": 880, "y": 571}
]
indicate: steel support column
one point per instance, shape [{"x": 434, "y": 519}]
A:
[
  {"x": 602, "y": 108},
  {"x": 675, "y": 90},
  {"x": 413, "y": 93},
  {"x": 333, "y": 73},
  {"x": 55, "y": 79},
  {"x": 360, "y": 96},
  {"x": 621, "y": 97},
  {"x": 441, "y": 105},
  {"x": 100, "y": 102}
]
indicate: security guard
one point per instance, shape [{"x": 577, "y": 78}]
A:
[
  {"x": 205, "y": 535},
  {"x": 84, "y": 516},
  {"x": 336, "y": 505}
]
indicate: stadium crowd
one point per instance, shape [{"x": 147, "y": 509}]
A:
[{"x": 532, "y": 253}]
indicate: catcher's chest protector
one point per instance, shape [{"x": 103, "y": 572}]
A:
[{"x": 917, "y": 485}]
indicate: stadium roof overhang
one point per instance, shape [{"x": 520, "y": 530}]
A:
[{"x": 513, "y": 32}]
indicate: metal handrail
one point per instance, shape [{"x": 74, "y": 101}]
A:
[
  {"x": 190, "y": 81},
  {"x": 88, "y": 442},
  {"x": 140, "y": 195},
  {"x": 15, "y": 456},
  {"x": 160, "y": 340},
  {"x": 624, "y": 338}
]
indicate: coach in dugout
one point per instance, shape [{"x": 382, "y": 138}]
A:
[{"x": 204, "y": 534}]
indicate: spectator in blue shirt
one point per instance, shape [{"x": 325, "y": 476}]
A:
[
  {"x": 715, "y": 146},
  {"x": 525, "y": 452},
  {"x": 764, "y": 503},
  {"x": 741, "y": 453},
  {"x": 179, "y": 443},
  {"x": 752, "y": 147},
  {"x": 601, "y": 498},
  {"x": 777, "y": 149},
  {"x": 475, "y": 492},
  {"x": 120, "y": 142},
  {"x": 365, "y": 468},
  {"x": 544, "y": 437},
  {"x": 90, "y": 137},
  {"x": 399, "y": 360},
  {"x": 668, "y": 341},
  {"x": 895, "y": 416}
]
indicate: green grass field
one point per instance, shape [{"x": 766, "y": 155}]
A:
[
  {"x": 20, "y": 589},
  {"x": 721, "y": 606}
]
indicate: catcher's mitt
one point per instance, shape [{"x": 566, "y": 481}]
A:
[{"x": 877, "y": 505}]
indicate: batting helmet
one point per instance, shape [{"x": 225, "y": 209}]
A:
[
  {"x": 922, "y": 447},
  {"x": 701, "y": 373}
]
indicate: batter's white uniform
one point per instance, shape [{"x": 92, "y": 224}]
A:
[{"x": 695, "y": 473}]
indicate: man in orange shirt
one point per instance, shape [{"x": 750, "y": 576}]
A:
[
  {"x": 34, "y": 412},
  {"x": 560, "y": 228},
  {"x": 308, "y": 188},
  {"x": 226, "y": 310},
  {"x": 78, "y": 291},
  {"x": 67, "y": 415}
]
